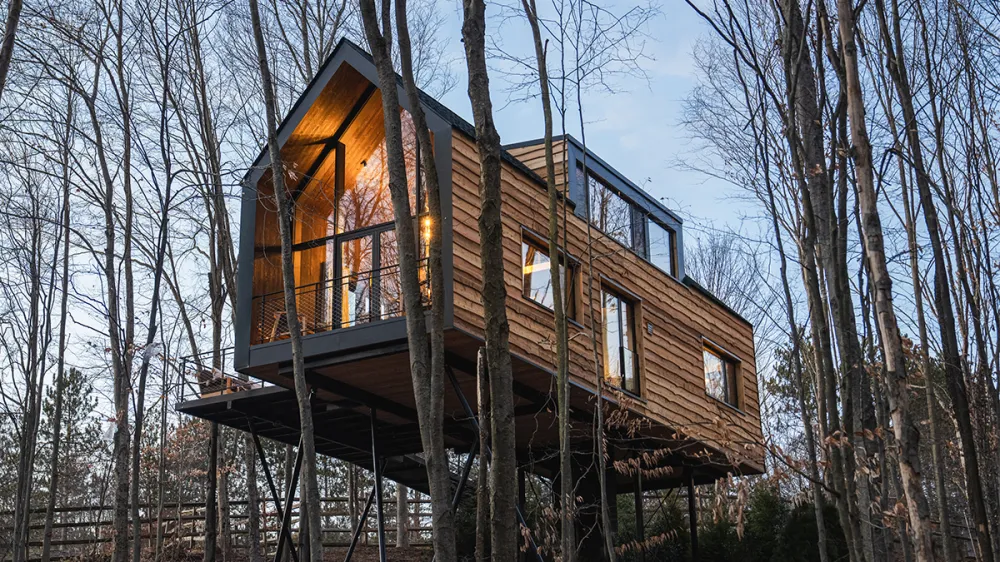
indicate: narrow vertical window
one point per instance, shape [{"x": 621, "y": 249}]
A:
[
  {"x": 720, "y": 377},
  {"x": 661, "y": 247},
  {"x": 621, "y": 367}
]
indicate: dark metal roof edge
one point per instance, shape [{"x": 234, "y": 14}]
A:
[
  {"x": 649, "y": 199},
  {"x": 446, "y": 114}
]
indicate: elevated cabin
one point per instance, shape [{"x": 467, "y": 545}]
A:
[{"x": 678, "y": 361}]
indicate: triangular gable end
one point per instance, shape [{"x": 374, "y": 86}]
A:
[{"x": 439, "y": 118}]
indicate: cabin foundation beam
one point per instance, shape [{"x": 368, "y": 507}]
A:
[{"x": 463, "y": 480}]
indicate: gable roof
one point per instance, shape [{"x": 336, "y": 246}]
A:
[{"x": 348, "y": 52}]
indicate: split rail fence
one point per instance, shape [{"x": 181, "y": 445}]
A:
[{"x": 87, "y": 530}]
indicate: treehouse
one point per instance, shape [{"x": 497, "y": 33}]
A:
[{"x": 677, "y": 364}]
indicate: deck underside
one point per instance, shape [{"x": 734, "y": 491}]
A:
[{"x": 348, "y": 387}]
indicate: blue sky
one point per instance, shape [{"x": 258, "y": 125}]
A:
[{"x": 637, "y": 130}]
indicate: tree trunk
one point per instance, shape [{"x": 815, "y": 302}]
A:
[
  {"x": 225, "y": 512},
  {"x": 402, "y": 517},
  {"x": 482, "y": 480},
  {"x": 953, "y": 371},
  {"x": 211, "y": 494},
  {"x": 503, "y": 470},
  {"x": 63, "y": 314},
  {"x": 897, "y": 386},
  {"x": 566, "y": 494},
  {"x": 284, "y": 206},
  {"x": 430, "y": 396},
  {"x": 7, "y": 46},
  {"x": 253, "y": 502}
]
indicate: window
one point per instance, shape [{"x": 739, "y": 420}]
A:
[
  {"x": 720, "y": 377},
  {"x": 609, "y": 211},
  {"x": 536, "y": 277},
  {"x": 661, "y": 246},
  {"x": 345, "y": 248},
  {"x": 621, "y": 367}
]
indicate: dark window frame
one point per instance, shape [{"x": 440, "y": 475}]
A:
[
  {"x": 671, "y": 241},
  {"x": 636, "y": 235},
  {"x": 571, "y": 267},
  {"x": 732, "y": 370},
  {"x": 628, "y": 302},
  {"x": 639, "y": 218}
]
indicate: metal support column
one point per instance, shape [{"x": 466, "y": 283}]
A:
[
  {"x": 361, "y": 525},
  {"x": 274, "y": 490},
  {"x": 377, "y": 465},
  {"x": 640, "y": 517},
  {"x": 522, "y": 503},
  {"x": 489, "y": 453},
  {"x": 693, "y": 516},
  {"x": 286, "y": 519},
  {"x": 460, "y": 489}
]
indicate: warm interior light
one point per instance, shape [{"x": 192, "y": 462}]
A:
[
  {"x": 427, "y": 228},
  {"x": 533, "y": 267}
]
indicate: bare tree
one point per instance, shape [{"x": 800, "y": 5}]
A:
[
  {"x": 302, "y": 391},
  {"x": 503, "y": 467},
  {"x": 14, "y": 8}
]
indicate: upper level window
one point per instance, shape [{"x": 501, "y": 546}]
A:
[
  {"x": 661, "y": 246},
  {"x": 621, "y": 366},
  {"x": 345, "y": 253},
  {"x": 536, "y": 277},
  {"x": 720, "y": 377},
  {"x": 609, "y": 211}
]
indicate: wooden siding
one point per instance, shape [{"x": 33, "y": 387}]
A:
[
  {"x": 533, "y": 156},
  {"x": 682, "y": 318}
]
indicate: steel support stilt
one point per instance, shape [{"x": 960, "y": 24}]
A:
[
  {"x": 465, "y": 476},
  {"x": 693, "y": 516},
  {"x": 640, "y": 519},
  {"x": 286, "y": 519},
  {"x": 532, "y": 548},
  {"x": 377, "y": 465},
  {"x": 274, "y": 490},
  {"x": 361, "y": 525}
]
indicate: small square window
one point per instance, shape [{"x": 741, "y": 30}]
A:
[
  {"x": 536, "y": 277},
  {"x": 720, "y": 377}
]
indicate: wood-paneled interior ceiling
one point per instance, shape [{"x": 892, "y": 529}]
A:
[{"x": 321, "y": 121}]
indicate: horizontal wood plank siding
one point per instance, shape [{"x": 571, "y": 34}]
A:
[{"x": 672, "y": 376}]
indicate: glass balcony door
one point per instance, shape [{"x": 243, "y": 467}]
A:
[{"x": 368, "y": 277}]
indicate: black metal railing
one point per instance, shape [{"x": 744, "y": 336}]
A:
[
  {"x": 343, "y": 302},
  {"x": 205, "y": 375}
]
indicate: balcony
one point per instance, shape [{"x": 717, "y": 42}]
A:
[
  {"x": 351, "y": 300},
  {"x": 204, "y": 376}
]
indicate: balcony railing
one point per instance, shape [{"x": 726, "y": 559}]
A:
[
  {"x": 205, "y": 376},
  {"x": 343, "y": 302}
]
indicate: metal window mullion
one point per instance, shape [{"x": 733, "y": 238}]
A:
[
  {"x": 621, "y": 341},
  {"x": 337, "y": 306},
  {"x": 376, "y": 276}
]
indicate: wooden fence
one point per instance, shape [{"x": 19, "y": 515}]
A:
[{"x": 87, "y": 530}]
